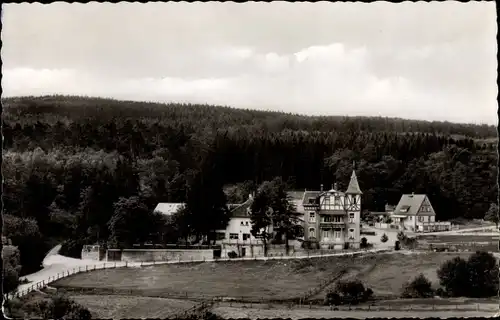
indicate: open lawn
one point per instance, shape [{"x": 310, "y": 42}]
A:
[
  {"x": 276, "y": 279},
  {"x": 268, "y": 280},
  {"x": 318, "y": 313},
  {"x": 121, "y": 307}
]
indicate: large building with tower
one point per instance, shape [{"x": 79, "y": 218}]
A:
[{"x": 332, "y": 218}]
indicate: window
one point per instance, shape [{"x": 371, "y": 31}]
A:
[
  {"x": 312, "y": 233},
  {"x": 351, "y": 217},
  {"x": 337, "y": 233},
  {"x": 351, "y": 234},
  {"x": 246, "y": 223},
  {"x": 420, "y": 219},
  {"x": 327, "y": 219},
  {"x": 337, "y": 219},
  {"x": 411, "y": 218},
  {"x": 337, "y": 201},
  {"x": 242, "y": 224},
  {"x": 246, "y": 236},
  {"x": 220, "y": 236},
  {"x": 354, "y": 199},
  {"x": 233, "y": 236},
  {"x": 312, "y": 217},
  {"x": 326, "y": 233}
]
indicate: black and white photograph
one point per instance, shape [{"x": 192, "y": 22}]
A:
[{"x": 223, "y": 160}]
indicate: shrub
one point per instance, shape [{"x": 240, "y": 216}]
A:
[
  {"x": 310, "y": 245},
  {"x": 348, "y": 292},
  {"x": 332, "y": 298},
  {"x": 368, "y": 294},
  {"x": 420, "y": 287},
  {"x": 72, "y": 248},
  {"x": 476, "y": 278},
  {"x": 401, "y": 236},
  {"x": 397, "y": 246},
  {"x": 364, "y": 242},
  {"x": 384, "y": 238},
  {"x": 232, "y": 255}
]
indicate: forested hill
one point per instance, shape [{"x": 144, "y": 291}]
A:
[
  {"x": 69, "y": 109},
  {"x": 68, "y": 160}
]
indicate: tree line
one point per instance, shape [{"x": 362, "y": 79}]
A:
[{"x": 87, "y": 168}]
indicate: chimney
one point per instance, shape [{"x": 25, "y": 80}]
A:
[
  {"x": 321, "y": 188},
  {"x": 412, "y": 194},
  {"x": 335, "y": 186}
]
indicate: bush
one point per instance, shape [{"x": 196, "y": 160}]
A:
[
  {"x": 397, "y": 246},
  {"x": 420, "y": 287},
  {"x": 364, "y": 244},
  {"x": 310, "y": 245},
  {"x": 332, "y": 298},
  {"x": 476, "y": 278},
  {"x": 72, "y": 248},
  {"x": 348, "y": 292},
  {"x": 232, "y": 255},
  {"x": 384, "y": 238}
]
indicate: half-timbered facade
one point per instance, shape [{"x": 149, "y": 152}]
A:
[{"x": 333, "y": 217}]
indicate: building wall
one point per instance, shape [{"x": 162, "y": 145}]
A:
[
  {"x": 237, "y": 226},
  {"x": 145, "y": 255}
]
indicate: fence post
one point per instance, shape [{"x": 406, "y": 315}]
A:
[
  {"x": 86, "y": 268},
  {"x": 126, "y": 263},
  {"x": 104, "y": 265},
  {"x": 115, "y": 264}
]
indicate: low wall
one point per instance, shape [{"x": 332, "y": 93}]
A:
[{"x": 146, "y": 255}]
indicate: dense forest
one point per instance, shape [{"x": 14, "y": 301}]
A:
[{"x": 71, "y": 163}]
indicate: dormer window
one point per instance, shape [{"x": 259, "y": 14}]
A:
[{"x": 404, "y": 209}]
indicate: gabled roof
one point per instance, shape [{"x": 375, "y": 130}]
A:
[
  {"x": 410, "y": 204},
  {"x": 310, "y": 198},
  {"x": 242, "y": 210},
  {"x": 353, "y": 187},
  {"x": 168, "y": 208}
]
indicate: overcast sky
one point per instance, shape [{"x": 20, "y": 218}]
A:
[{"x": 431, "y": 61}]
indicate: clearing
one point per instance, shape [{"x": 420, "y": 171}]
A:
[{"x": 267, "y": 280}]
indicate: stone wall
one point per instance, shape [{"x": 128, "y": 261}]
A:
[
  {"x": 146, "y": 255},
  {"x": 92, "y": 252}
]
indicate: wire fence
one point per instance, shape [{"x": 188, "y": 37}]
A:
[
  {"x": 364, "y": 308},
  {"x": 24, "y": 289}
]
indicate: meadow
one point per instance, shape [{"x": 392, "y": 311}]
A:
[{"x": 261, "y": 280}]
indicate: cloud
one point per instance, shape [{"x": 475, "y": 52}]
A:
[
  {"x": 418, "y": 60},
  {"x": 322, "y": 80}
]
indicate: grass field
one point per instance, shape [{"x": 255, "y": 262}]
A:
[
  {"x": 254, "y": 313},
  {"x": 386, "y": 274},
  {"x": 121, "y": 307},
  {"x": 271, "y": 280},
  {"x": 250, "y": 279}
]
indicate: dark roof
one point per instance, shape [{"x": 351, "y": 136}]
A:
[
  {"x": 412, "y": 203},
  {"x": 242, "y": 210},
  {"x": 310, "y": 196},
  {"x": 353, "y": 187}
]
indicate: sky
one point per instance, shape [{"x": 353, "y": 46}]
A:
[{"x": 429, "y": 61}]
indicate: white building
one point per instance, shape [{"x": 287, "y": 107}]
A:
[{"x": 415, "y": 212}]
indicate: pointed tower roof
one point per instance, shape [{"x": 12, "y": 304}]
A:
[{"x": 353, "y": 187}]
